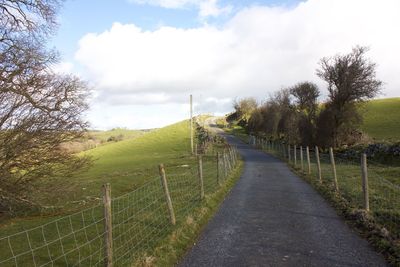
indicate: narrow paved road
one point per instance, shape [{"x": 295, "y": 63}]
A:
[{"x": 274, "y": 218}]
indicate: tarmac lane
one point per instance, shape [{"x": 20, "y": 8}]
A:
[{"x": 272, "y": 217}]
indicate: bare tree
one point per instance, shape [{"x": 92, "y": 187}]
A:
[
  {"x": 288, "y": 122},
  {"x": 39, "y": 109},
  {"x": 351, "y": 79},
  {"x": 306, "y": 99}
]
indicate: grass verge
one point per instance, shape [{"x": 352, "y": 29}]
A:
[{"x": 174, "y": 246}]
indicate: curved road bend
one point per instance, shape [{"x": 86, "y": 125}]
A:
[{"x": 273, "y": 218}]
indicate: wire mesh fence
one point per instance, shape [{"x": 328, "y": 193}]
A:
[
  {"x": 140, "y": 220},
  {"x": 344, "y": 176},
  {"x": 76, "y": 239}
]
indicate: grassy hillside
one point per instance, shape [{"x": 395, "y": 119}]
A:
[
  {"x": 126, "y": 165},
  {"x": 119, "y": 133},
  {"x": 382, "y": 119},
  {"x": 129, "y": 163},
  {"x": 94, "y": 139}
]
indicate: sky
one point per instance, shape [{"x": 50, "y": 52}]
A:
[{"x": 143, "y": 58}]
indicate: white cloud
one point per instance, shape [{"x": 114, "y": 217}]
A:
[
  {"x": 210, "y": 8},
  {"x": 206, "y": 7},
  {"x": 166, "y": 3},
  {"x": 256, "y": 52}
]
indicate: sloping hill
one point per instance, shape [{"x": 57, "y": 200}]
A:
[
  {"x": 116, "y": 134},
  {"x": 126, "y": 164},
  {"x": 130, "y": 163},
  {"x": 382, "y": 119}
]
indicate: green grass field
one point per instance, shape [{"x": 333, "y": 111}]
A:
[
  {"x": 382, "y": 119},
  {"x": 127, "y": 165},
  {"x": 74, "y": 236}
]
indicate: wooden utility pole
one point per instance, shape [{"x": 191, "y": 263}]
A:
[{"x": 191, "y": 124}]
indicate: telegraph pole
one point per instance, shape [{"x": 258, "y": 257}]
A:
[{"x": 191, "y": 124}]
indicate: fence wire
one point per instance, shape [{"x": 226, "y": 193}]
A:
[
  {"x": 140, "y": 221},
  {"x": 72, "y": 240}
]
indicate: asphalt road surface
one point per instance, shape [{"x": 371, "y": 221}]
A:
[{"x": 273, "y": 218}]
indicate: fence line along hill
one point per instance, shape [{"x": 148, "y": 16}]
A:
[{"x": 140, "y": 206}]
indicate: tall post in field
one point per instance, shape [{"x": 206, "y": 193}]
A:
[
  {"x": 318, "y": 164},
  {"x": 335, "y": 182},
  {"x": 108, "y": 240},
  {"x": 364, "y": 175},
  {"x": 191, "y": 124}
]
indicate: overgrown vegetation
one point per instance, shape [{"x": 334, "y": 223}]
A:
[
  {"x": 294, "y": 116},
  {"x": 39, "y": 109}
]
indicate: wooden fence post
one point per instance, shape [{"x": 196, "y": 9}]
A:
[
  {"x": 289, "y": 153},
  {"x": 235, "y": 155},
  {"x": 364, "y": 175},
  {"x": 318, "y": 164},
  {"x": 301, "y": 158},
  {"x": 295, "y": 155},
  {"x": 308, "y": 159},
  {"x": 108, "y": 240},
  {"x": 335, "y": 182},
  {"x": 232, "y": 157},
  {"x": 225, "y": 164},
  {"x": 167, "y": 195},
  {"x": 201, "y": 177},
  {"x": 218, "y": 170},
  {"x": 227, "y": 160}
]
